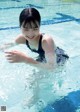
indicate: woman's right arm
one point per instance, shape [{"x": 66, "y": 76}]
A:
[{"x": 19, "y": 40}]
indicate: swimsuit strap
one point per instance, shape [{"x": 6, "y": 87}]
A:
[{"x": 40, "y": 51}]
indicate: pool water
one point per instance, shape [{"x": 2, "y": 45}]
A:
[{"x": 59, "y": 91}]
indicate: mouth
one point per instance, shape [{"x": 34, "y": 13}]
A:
[{"x": 29, "y": 37}]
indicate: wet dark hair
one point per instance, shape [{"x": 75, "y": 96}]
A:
[{"x": 29, "y": 15}]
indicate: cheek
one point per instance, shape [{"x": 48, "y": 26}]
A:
[
  {"x": 37, "y": 32},
  {"x": 24, "y": 32}
]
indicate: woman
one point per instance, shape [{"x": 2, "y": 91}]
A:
[{"x": 43, "y": 44}]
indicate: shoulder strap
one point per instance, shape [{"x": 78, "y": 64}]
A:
[
  {"x": 33, "y": 50},
  {"x": 40, "y": 43},
  {"x": 27, "y": 43},
  {"x": 40, "y": 50}
]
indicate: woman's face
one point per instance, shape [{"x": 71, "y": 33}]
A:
[{"x": 31, "y": 30}]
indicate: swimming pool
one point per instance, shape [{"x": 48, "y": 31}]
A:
[{"x": 59, "y": 90}]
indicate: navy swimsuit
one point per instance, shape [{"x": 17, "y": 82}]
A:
[{"x": 61, "y": 56}]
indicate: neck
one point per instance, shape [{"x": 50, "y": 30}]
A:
[{"x": 35, "y": 41}]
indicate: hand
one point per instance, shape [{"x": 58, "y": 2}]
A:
[{"x": 15, "y": 56}]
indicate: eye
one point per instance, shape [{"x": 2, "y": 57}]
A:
[
  {"x": 26, "y": 29},
  {"x": 35, "y": 28}
]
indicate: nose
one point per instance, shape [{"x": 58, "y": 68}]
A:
[{"x": 31, "y": 33}]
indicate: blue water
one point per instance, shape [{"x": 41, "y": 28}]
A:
[{"x": 59, "y": 91}]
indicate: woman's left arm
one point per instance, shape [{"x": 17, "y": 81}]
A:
[{"x": 49, "y": 47}]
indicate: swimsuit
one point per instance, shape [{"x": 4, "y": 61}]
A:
[
  {"x": 40, "y": 51},
  {"x": 61, "y": 56}
]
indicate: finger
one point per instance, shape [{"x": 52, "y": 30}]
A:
[
  {"x": 11, "y": 61},
  {"x": 9, "y": 58},
  {"x": 9, "y": 52},
  {"x": 9, "y": 55}
]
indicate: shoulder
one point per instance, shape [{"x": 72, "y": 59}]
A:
[
  {"x": 48, "y": 41},
  {"x": 47, "y": 37},
  {"x": 20, "y": 39}
]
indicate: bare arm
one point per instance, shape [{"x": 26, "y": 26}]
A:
[
  {"x": 49, "y": 47},
  {"x": 18, "y": 40}
]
